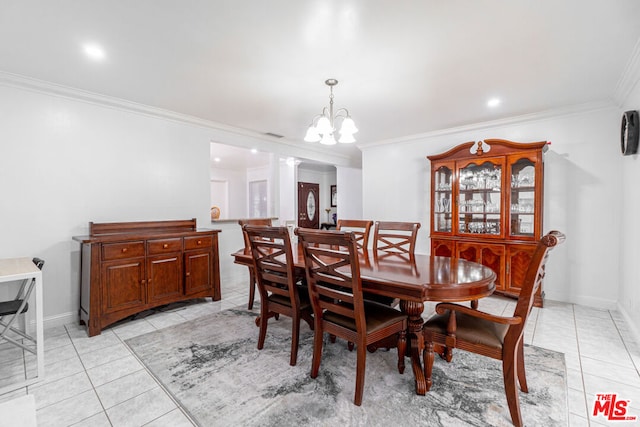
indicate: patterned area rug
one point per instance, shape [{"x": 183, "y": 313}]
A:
[{"x": 212, "y": 367}]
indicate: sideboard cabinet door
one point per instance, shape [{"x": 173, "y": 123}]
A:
[
  {"x": 164, "y": 281},
  {"x": 123, "y": 284},
  {"x": 197, "y": 271}
]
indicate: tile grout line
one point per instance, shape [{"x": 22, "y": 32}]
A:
[
  {"x": 93, "y": 387},
  {"x": 90, "y": 382},
  {"x": 584, "y": 387},
  {"x": 624, "y": 342},
  {"x": 160, "y": 385}
]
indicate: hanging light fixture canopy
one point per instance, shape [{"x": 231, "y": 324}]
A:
[{"x": 322, "y": 126}]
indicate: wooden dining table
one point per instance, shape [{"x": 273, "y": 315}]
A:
[{"x": 413, "y": 280}]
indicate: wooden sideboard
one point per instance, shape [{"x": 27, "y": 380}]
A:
[{"x": 129, "y": 267}]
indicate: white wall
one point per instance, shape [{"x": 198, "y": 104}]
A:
[
  {"x": 582, "y": 192},
  {"x": 64, "y": 163},
  {"x": 262, "y": 173},
  {"x": 288, "y": 192},
  {"x": 349, "y": 184},
  {"x": 236, "y": 192},
  {"x": 68, "y": 157},
  {"x": 628, "y": 208}
]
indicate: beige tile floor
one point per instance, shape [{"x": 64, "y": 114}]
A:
[{"x": 98, "y": 382}]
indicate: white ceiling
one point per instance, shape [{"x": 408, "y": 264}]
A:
[{"x": 404, "y": 67}]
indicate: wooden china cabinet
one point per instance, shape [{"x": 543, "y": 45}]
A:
[{"x": 486, "y": 207}]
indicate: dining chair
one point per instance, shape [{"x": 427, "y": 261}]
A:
[
  {"x": 252, "y": 277},
  {"x": 335, "y": 287},
  {"x": 361, "y": 229},
  {"x": 395, "y": 238},
  {"x": 498, "y": 337},
  {"x": 11, "y": 310},
  {"x": 277, "y": 282}
]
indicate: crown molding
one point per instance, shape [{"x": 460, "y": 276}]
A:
[
  {"x": 510, "y": 121},
  {"x": 629, "y": 78},
  {"x": 54, "y": 89}
]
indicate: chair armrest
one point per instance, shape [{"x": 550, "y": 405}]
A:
[{"x": 444, "y": 306}]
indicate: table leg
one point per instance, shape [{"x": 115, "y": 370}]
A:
[
  {"x": 39, "y": 327},
  {"x": 252, "y": 288},
  {"x": 416, "y": 341}
]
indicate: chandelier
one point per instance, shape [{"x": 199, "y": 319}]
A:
[{"x": 322, "y": 126}]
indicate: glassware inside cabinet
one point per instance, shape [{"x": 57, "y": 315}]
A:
[
  {"x": 442, "y": 199},
  {"x": 522, "y": 210},
  {"x": 480, "y": 199}
]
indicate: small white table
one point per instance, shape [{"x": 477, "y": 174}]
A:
[{"x": 17, "y": 269}]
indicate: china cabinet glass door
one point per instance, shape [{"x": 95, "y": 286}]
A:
[
  {"x": 480, "y": 200},
  {"x": 522, "y": 212},
  {"x": 442, "y": 199}
]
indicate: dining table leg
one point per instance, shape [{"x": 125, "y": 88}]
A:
[
  {"x": 414, "y": 309},
  {"x": 252, "y": 288}
]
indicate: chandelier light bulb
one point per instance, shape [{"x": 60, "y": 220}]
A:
[
  {"x": 328, "y": 139},
  {"x": 324, "y": 125},
  {"x": 348, "y": 126},
  {"x": 312, "y": 134},
  {"x": 346, "y": 138}
]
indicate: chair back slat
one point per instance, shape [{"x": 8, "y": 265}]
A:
[
  {"x": 333, "y": 273},
  {"x": 395, "y": 237},
  {"x": 265, "y": 222},
  {"x": 360, "y": 227},
  {"x": 272, "y": 259}
]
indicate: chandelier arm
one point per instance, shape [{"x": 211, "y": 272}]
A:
[
  {"x": 342, "y": 112},
  {"x": 316, "y": 117}
]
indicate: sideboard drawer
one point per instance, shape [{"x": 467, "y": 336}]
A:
[
  {"x": 161, "y": 246},
  {"x": 197, "y": 242},
  {"x": 122, "y": 250}
]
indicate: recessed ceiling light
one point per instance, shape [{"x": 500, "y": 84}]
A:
[
  {"x": 217, "y": 159},
  {"x": 94, "y": 51},
  {"x": 493, "y": 102},
  {"x": 254, "y": 151}
]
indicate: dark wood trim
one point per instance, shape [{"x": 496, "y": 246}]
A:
[{"x": 96, "y": 229}]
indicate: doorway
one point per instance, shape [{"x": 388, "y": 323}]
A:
[{"x": 308, "y": 205}]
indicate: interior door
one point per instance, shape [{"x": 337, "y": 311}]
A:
[{"x": 308, "y": 205}]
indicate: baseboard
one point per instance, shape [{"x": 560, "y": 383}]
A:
[
  {"x": 635, "y": 332},
  {"x": 599, "y": 303},
  {"x": 55, "y": 321}
]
